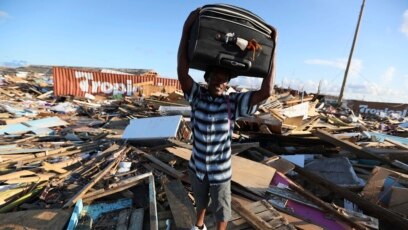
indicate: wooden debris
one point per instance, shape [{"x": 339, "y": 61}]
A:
[
  {"x": 268, "y": 217},
  {"x": 181, "y": 207},
  {"x": 95, "y": 180}
]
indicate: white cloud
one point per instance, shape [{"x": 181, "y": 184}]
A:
[
  {"x": 3, "y": 14},
  {"x": 354, "y": 90},
  {"x": 388, "y": 75},
  {"x": 247, "y": 82},
  {"x": 404, "y": 27},
  {"x": 355, "y": 67},
  {"x": 14, "y": 63}
]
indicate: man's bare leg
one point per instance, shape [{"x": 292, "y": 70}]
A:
[
  {"x": 200, "y": 217},
  {"x": 222, "y": 225}
]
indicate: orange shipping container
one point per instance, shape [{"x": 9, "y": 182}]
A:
[{"x": 70, "y": 81}]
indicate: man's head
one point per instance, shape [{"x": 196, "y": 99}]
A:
[{"x": 217, "y": 80}]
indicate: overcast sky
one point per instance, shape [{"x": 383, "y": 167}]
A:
[{"x": 315, "y": 37}]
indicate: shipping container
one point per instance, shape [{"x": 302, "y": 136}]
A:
[{"x": 71, "y": 81}]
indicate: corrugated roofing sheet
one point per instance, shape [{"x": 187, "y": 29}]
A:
[{"x": 70, "y": 81}]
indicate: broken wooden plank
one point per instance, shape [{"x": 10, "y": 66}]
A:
[
  {"x": 168, "y": 169},
  {"x": 50, "y": 167},
  {"x": 115, "y": 187},
  {"x": 181, "y": 207},
  {"x": 6, "y": 93},
  {"x": 34, "y": 178},
  {"x": 100, "y": 175},
  {"x": 45, "y": 95},
  {"x": 17, "y": 174},
  {"x": 154, "y": 224},
  {"x": 37, "y": 189}
]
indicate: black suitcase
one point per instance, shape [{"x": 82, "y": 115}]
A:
[{"x": 233, "y": 38}]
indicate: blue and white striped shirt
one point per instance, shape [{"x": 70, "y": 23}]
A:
[{"x": 212, "y": 131}]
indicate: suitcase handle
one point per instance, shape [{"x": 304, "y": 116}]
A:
[{"x": 234, "y": 63}]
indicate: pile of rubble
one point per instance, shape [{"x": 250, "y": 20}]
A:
[{"x": 119, "y": 161}]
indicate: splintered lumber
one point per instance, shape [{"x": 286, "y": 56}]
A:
[
  {"x": 50, "y": 167},
  {"x": 100, "y": 175},
  {"x": 44, "y": 95},
  {"x": 358, "y": 150},
  {"x": 6, "y": 93},
  {"x": 171, "y": 171},
  {"x": 116, "y": 187},
  {"x": 17, "y": 174},
  {"x": 91, "y": 163},
  {"x": 252, "y": 175},
  {"x": 66, "y": 151},
  {"x": 12, "y": 191},
  {"x": 181, "y": 207},
  {"x": 383, "y": 214},
  {"x": 22, "y": 199},
  {"x": 34, "y": 178},
  {"x": 57, "y": 167}
]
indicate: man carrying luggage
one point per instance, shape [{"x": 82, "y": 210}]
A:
[{"x": 213, "y": 115}]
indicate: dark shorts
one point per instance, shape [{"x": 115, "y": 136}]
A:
[{"x": 220, "y": 195}]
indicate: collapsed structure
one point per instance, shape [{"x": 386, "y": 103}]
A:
[{"x": 102, "y": 149}]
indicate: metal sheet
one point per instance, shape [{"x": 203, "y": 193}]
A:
[
  {"x": 37, "y": 126},
  {"x": 152, "y": 128},
  {"x": 367, "y": 107}
]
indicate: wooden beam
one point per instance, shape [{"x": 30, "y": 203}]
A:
[
  {"x": 44, "y": 95},
  {"x": 116, "y": 187},
  {"x": 154, "y": 223},
  {"x": 181, "y": 207},
  {"x": 171, "y": 171}
]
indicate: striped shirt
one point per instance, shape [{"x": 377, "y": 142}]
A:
[{"x": 212, "y": 131}]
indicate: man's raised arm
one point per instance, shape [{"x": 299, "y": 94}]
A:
[
  {"x": 182, "y": 60},
  {"x": 266, "y": 89}
]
